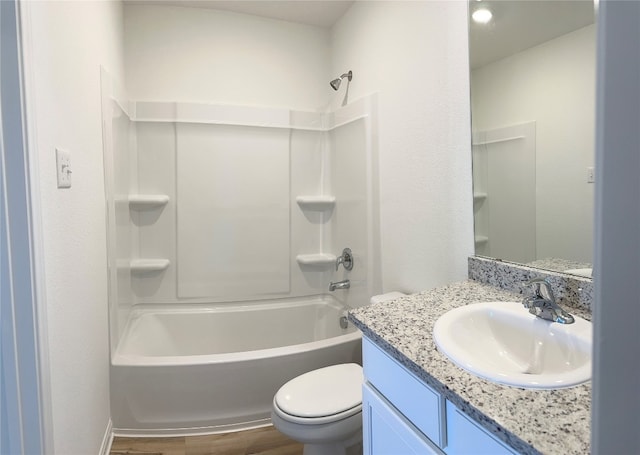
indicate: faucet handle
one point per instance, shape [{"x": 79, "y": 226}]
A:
[
  {"x": 540, "y": 283},
  {"x": 346, "y": 259}
]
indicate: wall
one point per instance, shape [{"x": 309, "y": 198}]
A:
[
  {"x": 415, "y": 54},
  {"x": 425, "y": 175},
  {"x": 221, "y": 57},
  {"x": 251, "y": 46},
  {"x": 616, "y": 376},
  {"x": 553, "y": 85},
  {"x": 232, "y": 58},
  {"x": 67, "y": 43},
  {"x": 24, "y": 410}
]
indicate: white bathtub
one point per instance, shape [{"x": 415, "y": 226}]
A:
[{"x": 215, "y": 368}]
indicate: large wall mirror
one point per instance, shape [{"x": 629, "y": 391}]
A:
[{"x": 533, "y": 114}]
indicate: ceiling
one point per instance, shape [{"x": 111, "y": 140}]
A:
[
  {"x": 321, "y": 13},
  {"x": 521, "y": 24},
  {"x": 516, "y": 24}
]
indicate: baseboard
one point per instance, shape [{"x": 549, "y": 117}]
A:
[
  {"x": 107, "y": 440},
  {"x": 194, "y": 431}
]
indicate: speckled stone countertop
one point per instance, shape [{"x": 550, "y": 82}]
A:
[
  {"x": 529, "y": 421},
  {"x": 558, "y": 264}
]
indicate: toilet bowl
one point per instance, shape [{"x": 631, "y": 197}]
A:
[{"x": 322, "y": 409}]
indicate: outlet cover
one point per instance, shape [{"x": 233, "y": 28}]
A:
[{"x": 63, "y": 166}]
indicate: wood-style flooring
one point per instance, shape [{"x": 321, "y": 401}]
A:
[{"x": 260, "y": 441}]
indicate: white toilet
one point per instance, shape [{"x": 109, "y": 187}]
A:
[{"x": 323, "y": 408}]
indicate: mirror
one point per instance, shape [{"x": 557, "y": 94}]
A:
[{"x": 533, "y": 114}]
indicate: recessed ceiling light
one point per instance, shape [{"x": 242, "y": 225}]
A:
[{"x": 482, "y": 16}]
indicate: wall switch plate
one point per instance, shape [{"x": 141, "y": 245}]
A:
[
  {"x": 591, "y": 174},
  {"x": 63, "y": 166}
]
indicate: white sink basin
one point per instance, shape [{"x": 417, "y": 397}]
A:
[{"x": 504, "y": 343}]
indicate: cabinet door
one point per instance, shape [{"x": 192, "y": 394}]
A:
[
  {"x": 414, "y": 399},
  {"x": 465, "y": 437},
  {"x": 387, "y": 432}
]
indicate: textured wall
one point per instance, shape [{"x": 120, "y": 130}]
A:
[
  {"x": 68, "y": 42},
  {"x": 231, "y": 58},
  {"x": 415, "y": 55}
]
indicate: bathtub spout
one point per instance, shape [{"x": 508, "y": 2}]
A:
[{"x": 344, "y": 284}]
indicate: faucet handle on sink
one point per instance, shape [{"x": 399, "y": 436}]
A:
[{"x": 543, "y": 303}]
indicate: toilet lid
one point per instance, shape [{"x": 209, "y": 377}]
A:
[{"x": 322, "y": 392}]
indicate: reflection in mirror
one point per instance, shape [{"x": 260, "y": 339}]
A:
[{"x": 533, "y": 112}]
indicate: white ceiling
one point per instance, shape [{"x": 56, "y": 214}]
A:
[
  {"x": 521, "y": 24},
  {"x": 321, "y": 13},
  {"x": 516, "y": 24}
]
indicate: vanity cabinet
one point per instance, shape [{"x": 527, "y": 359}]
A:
[{"x": 403, "y": 415}]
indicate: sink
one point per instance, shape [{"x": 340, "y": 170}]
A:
[{"x": 504, "y": 343}]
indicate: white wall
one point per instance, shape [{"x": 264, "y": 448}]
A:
[
  {"x": 395, "y": 48},
  {"x": 68, "y": 41},
  {"x": 415, "y": 54},
  {"x": 552, "y": 84},
  {"x": 231, "y": 58},
  {"x": 208, "y": 50},
  {"x": 616, "y": 375}
]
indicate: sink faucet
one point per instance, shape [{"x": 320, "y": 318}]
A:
[
  {"x": 543, "y": 303},
  {"x": 344, "y": 284}
]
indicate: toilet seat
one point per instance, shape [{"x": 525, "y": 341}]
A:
[
  {"x": 325, "y": 395},
  {"x": 316, "y": 420}
]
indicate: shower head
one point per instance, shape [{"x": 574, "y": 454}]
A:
[{"x": 335, "y": 84}]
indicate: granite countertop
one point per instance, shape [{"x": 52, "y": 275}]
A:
[
  {"x": 529, "y": 421},
  {"x": 558, "y": 264}
]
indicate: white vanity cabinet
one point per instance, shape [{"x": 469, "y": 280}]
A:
[{"x": 403, "y": 415}]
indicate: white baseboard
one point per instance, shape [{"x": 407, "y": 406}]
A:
[{"x": 107, "y": 440}]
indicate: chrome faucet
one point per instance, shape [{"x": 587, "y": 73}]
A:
[
  {"x": 344, "y": 284},
  {"x": 543, "y": 303}
]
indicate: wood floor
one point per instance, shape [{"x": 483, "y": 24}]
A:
[{"x": 261, "y": 441}]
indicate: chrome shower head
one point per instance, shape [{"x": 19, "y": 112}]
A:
[{"x": 335, "y": 84}]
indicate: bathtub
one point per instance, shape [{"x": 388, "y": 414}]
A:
[{"x": 214, "y": 368}]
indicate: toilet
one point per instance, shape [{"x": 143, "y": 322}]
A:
[{"x": 323, "y": 408}]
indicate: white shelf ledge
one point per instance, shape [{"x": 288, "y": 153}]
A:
[
  {"x": 316, "y": 202},
  {"x": 147, "y": 201},
  {"x": 148, "y": 265},
  {"x": 481, "y": 239},
  {"x": 319, "y": 259},
  {"x": 479, "y": 196}
]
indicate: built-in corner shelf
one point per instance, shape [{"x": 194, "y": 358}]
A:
[
  {"x": 481, "y": 239},
  {"x": 477, "y": 197},
  {"x": 316, "y": 202},
  {"x": 147, "y": 201},
  {"x": 148, "y": 265},
  {"x": 319, "y": 259}
]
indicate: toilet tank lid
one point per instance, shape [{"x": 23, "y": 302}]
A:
[
  {"x": 322, "y": 392},
  {"x": 388, "y": 296}
]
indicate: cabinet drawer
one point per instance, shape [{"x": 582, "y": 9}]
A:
[
  {"x": 387, "y": 432},
  {"x": 465, "y": 437},
  {"x": 413, "y": 398}
]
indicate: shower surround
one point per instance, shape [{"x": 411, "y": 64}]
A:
[{"x": 235, "y": 207}]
